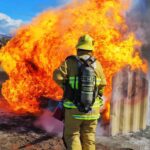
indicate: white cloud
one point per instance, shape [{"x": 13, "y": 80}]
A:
[
  {"x": 8, "y": 25},
  {"x": 63, "y": 2}
]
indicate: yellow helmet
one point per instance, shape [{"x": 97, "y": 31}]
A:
[{"x": 86, "y": 42}]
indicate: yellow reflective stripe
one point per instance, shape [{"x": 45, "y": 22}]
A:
[
  {"x": 72, "y": 80},
  {"x": 86, "y": 117},
  {"x": 69, "y": 104}
]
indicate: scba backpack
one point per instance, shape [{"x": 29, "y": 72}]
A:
[{"x": 83, "y": 91}]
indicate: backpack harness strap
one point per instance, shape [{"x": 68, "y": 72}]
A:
[{"x": 74, "y": 96}]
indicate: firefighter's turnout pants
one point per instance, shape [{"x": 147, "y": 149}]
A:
[{"x": 79, "y": 134}]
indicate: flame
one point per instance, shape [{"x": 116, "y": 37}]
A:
[
  {"x": 105, "y": 112},
  {"x": 39, "y": 47}
]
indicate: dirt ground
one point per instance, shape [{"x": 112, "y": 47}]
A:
[
  {"x": 19, "y": 133},
  {"x": 132, "y": 141}
]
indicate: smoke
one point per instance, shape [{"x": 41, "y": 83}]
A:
[
  {"x": 102, "y": 129},
  {"x": 50, "y": 124},
  {"x": 138, "y": 19}
]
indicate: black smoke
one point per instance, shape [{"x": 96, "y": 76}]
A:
[{"x": 138, "y": 19}]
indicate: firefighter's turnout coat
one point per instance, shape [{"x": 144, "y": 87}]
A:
[{"x": 78, "y": 123}]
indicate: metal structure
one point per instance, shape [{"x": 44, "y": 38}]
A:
[{"x": 129, "y": 103}]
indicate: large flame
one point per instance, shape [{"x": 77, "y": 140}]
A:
[{"x": 39, "y": 47}]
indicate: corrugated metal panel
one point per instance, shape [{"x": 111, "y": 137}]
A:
[
  {"x": 148, "y": 116},
  {"x": 129, "y": 102}
]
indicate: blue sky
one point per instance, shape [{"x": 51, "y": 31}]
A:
[
  {"x": 27, "y": 9},
  {"x": 14, "y": 13}
]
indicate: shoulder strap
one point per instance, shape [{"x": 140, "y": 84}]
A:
[
  {"x": 88, "y": 62},
  {"x": 71, "y": 57},
  {"x": 81, "y": 61},
  {"x": 75, "y": 58}
]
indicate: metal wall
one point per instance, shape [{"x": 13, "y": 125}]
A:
[
  {"x": 129, "y": 104},
  {"x": 148, "y": 116}
]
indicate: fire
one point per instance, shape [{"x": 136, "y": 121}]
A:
[
  {"x": 106, "y": 112},
  {"x": 39, "y": 47}
]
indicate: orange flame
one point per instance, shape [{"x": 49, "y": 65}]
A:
[{"x": 39, "y": 47}]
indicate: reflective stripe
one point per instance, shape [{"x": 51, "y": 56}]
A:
[
  {"x": 86, "y": 117},
  {"x": 69, "y": 104},
  {"x": 72, "y": 80}
]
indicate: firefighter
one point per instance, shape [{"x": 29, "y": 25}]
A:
[{"x": 80, "y": 118}]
